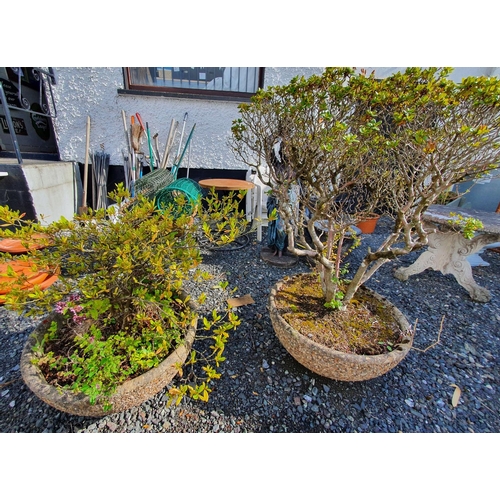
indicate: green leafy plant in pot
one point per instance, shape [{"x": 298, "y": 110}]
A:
[
  {"x": 117, "y": 325},
  {"x": 336, "y": 147}
]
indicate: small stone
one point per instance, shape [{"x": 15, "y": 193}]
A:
[
  {"x": 410, "y": 403},
  {"x": 470, "y": 349},
  {"x": 112, "y": 426},
  {"x": 12, "y": 404},
  {"x": 265, "y": 364}
]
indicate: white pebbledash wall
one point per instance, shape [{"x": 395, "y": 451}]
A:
[{"x": 82, "y": 92}]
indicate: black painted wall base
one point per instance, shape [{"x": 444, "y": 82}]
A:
[
  {"x": 14, "y": 191},
  {"x": 116, "y": 175}
]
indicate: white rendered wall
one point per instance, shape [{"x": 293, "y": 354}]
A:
[{"x": 93, "y": 91}]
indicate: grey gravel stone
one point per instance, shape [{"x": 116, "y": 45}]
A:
[{"x": 263, "y": 389}]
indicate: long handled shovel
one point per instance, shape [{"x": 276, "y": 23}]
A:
[{"x": 83, "y": 208}]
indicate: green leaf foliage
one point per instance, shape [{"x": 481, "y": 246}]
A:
[{"x": 119, "y": 297}]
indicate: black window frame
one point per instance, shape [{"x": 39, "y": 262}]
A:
[{"x": 154, "y": 90}]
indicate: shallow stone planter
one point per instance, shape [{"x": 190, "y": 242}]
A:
[
  {"x": 128, "y": 395},
  {"x": 333, "y": 364}
]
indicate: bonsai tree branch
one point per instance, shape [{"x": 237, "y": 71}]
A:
[{"x": 352, "y": 145}]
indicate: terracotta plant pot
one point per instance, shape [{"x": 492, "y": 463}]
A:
[
  {"x": 128, "y": 395},
  {"x": 23, "y": 269},
  {"x": 334, "y": 364},
  {"x": 16, "y": 246},
  {"x": 368, "y": 226}
]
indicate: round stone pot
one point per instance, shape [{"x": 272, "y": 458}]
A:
[
  {"x": 131, "y": 393},
  {"x": 338, "y": 365}
]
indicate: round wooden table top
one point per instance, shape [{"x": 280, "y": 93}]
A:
[{"x": 226, "y": 184}]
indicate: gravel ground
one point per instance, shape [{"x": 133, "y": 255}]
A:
[{"x": 263, "y": 389}]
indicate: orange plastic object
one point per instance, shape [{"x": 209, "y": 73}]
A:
[
  {"x": 368, "y": 226},
  {"x": 16, "y": 246},
  {"x": 31, "y": 279}
]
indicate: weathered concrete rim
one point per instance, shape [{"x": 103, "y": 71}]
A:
[
  {"x": 131, "y": 393},
  {"x": 334, "y": 364}
]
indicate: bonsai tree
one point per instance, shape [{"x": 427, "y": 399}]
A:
[
  {"x": 119, "y": 293},
  {"x": 337, "y": 146}
]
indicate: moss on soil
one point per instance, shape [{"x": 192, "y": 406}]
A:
[{"x": 366, "y": 326}]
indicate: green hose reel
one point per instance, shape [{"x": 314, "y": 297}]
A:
[{"x": 182, "y": 195}]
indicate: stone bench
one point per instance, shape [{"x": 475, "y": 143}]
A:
[{"x": 448, "y": 250}]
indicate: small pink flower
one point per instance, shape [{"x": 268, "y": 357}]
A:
[
  {"x": 60, "y": 307},
  {"x": 79, "y": 319}
]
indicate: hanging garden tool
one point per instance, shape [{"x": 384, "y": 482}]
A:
[
  {"x": 151, "y": 184},
  {"x": 189, "y": 160},
  {"x": 182, "y": 136},
  {"x": 128, "y": 155},
  {"x": 178, "y": 162},
  {"x": 156, "y": 150},
  {"x": 170, "y": 141},
  {"x": 145, "y": 129},
  {"x": 141, "y": 122},
  {"x": 151, "y": 155},
  {"x": 135, "y": 135}
]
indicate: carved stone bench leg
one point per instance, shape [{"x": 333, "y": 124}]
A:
[
  {"x": 462, "y": 271},
  {"x": 448, "y": 252}
]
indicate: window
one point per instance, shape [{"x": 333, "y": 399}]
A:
[{"x": 223, "y": 82}]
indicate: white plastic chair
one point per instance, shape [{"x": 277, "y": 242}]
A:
[{"x": 256, "y": 203}]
